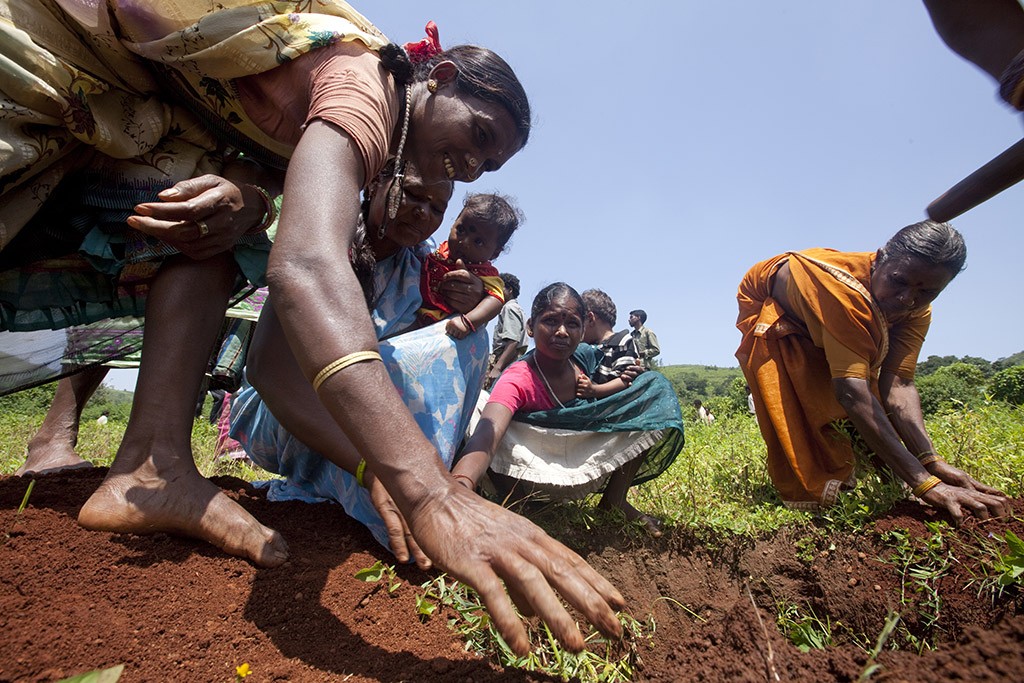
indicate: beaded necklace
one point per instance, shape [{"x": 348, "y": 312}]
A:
[{"x": 398, "y": 183}]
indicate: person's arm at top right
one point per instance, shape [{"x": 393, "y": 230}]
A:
[{"x": 324, "y": 316}]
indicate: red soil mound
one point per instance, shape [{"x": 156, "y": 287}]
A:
[{"x": 172, "y": 609}]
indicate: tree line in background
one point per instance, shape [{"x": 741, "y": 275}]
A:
[{"x": 942, "y": 382}]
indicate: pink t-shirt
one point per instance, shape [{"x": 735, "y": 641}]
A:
[{"x": 520, "y": 389}]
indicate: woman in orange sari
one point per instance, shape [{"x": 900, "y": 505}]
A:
[{"x": 829, "y": 335}]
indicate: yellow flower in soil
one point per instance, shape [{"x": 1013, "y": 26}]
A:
[{"x": 243, "y": 670}]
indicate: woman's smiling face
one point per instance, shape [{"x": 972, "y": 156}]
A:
[
  {"x": 459, "y": 137},
  {"x": 558, "y": 330}
]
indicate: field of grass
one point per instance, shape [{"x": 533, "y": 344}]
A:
[{"x": 718, "y": 484}]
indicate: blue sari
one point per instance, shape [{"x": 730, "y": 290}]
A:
[{"x": 437, "y": 376}]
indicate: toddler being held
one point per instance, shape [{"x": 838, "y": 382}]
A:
[{"x": 478, "y": 236}]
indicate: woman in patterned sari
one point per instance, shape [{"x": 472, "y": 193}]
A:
[{"x": 107, "y": 104}]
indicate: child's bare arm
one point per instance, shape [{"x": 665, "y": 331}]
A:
[
  {"x": 585, "y": 388},
  {"x": 482, "y": 444},
  {"x": 485, "y": 311}
]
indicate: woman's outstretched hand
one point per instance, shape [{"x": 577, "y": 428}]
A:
[
  {"x": 492, "y": 550},
  {"x": 200, "y": 217},
  {"x": 403, "y": 545},
  {"x": 960, "y": 493}
]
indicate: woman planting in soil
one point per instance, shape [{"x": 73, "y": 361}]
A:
[
  {"x": 829, "y": 335},
  {"x": 286, "y": 430},
  {"x": 538, "y": 434},
  {"x": 327, "y": 98}
]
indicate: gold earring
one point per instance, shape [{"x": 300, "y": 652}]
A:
[{"x": 432, "y": 85}]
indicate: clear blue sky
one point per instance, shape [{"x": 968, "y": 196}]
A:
[{"x": 677, "y": 143}]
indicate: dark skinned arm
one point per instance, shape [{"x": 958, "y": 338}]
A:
[
  {"x": 871, "y": 421},
  {"x": 323, "y": 314}
]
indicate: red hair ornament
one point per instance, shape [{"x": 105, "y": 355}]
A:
[{"x": 426, "y": 48}]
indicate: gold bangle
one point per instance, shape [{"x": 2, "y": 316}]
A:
[
  {"x": 269, "y": 211},
  {"x": 929, "y": 458},
  {"x": 341, "y": 364},
  {"x": 360, "y": 471},
  {"x": 926, "y": 486}
]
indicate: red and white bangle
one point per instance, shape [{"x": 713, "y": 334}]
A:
[{"x": 269, "y": 210}]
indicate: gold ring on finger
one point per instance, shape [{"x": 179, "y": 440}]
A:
[{"x": 204, "y": 229}]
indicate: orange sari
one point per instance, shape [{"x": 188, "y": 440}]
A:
[{"x": 809, "y": 461}]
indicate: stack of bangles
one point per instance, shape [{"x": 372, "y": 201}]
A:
[
  {"x": 336, "y": 366},
  {"x": 926, "y": 486},
  {"x": 468, "y": 323},
  {"x": 928, "y": 457},
  {"x": 269, "y": 211}
]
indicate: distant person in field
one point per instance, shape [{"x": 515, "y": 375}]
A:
[
  {"x": 829, "y": 335},
  {"x": 539, "y": 435},
  {"x": 509, "y": 332},
  {"x": 621, "y": 358},
  {"x": 703, "y": 413},
  {"x": 646, "y": 341}
]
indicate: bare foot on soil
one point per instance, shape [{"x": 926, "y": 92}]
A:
[
  {"x": 651, "y": 524},
  {"x": 51, "y": 455},
  {"x": 187, "y": 504}
]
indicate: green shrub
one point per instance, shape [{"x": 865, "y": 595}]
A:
[
  {"x": 959, "y": 384},
  {"x": 34, "y": 401},
  {"x": 1008, "y": 385}
]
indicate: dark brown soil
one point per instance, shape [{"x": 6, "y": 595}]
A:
[{"x": 172, "y": 609}]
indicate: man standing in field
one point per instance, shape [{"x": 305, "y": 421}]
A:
[
  {"x": 646, "y": 341},
  {"x": 829, "y": 335},
  {"x": 509, "y": 332}
]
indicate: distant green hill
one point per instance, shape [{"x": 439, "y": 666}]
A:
[{"x": 721, "y": 388}]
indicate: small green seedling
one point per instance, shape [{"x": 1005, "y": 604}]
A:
[
  {"x": 1009, "y": 566},
  {"x": 111, "y": 675},
  {"x": 21, "y": 508},
  {"x": 379, "y": 571}
]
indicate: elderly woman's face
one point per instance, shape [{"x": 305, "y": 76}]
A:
[
  {"x": 901, "y": 286},
  {"x": 419, "y": 215},
  {"x": 459, "y": 137}
]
